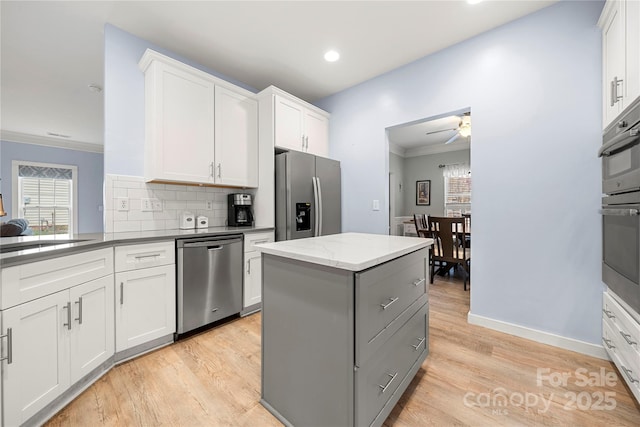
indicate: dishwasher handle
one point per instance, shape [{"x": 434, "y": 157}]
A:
[{"x": 211, "y": 243}]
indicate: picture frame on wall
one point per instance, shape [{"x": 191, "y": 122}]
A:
[{"x": 423, "y": 193}]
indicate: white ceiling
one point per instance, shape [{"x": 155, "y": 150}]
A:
[{"x": 52, "y": 50}]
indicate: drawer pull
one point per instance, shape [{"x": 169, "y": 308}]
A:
[
  {"x": 628, "y": 373},
  {"x": 144, "y": 257},
  {"x": 608, "y": 313},
  {"x": 608, "y": 343},
  {"x": 68, "y": 307},
  {"x": 9, "y": 336},
  {"x": 257, "y": 242},
  {"x": 626, "y": 338},
  {"x": 417, "y": 346},
  {"x": 384, "y": 387},
  {"x": 391, "y": 301},
  {"x": 419, "y": 282}
]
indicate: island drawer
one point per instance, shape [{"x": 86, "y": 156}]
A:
[
  {"x": 385, "y": 292},
  {"x": 145, "y": 255},
  {"x": 378, "y": 379},
  {"x": 26, "y": 282}
]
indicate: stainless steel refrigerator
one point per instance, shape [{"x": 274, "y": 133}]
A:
[{"x": 307, "y": 196}]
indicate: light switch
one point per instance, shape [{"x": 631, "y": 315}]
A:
[{"x": 376, "y": 205}]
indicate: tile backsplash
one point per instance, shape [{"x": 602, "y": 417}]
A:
[{"x": 174, "y": 199}]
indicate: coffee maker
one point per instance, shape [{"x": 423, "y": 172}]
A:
[{"x": 239, "y": 210}]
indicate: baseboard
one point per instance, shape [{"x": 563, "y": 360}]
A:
[{"x": 539, "y": 336}]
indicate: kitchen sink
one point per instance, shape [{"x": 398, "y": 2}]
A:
[{"x": 23, "y": 246}]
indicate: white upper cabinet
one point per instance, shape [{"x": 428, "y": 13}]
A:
[
  {"x": 236, "y": 130},
  {"x": 289, "y": 130},
  {"x": 199, "y": 129},
  {"x": 620, "y": 22},
  {"x": 300, "y": 127}
]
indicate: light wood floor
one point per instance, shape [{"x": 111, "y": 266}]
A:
[{"x": 213, "y": 379}]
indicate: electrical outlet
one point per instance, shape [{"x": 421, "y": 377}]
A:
[
  {"x": 146, "y": 205},
  {"x": 209, "y": 205},
  {"x": 122, "y": 204},
  {"x": 156, "y": 204}
]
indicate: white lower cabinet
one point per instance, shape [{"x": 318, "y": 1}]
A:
[
  {"x": 51, "y": 343},
  {"x": 145, "y": 295},
  {"x": 145, "y": 305},
  {"x": 252, "y": 279},
  {"x": 253, "y": 268}
]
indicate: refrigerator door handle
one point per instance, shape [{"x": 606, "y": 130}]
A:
[
  {"x": 316, "y": 205},
  {"x": 320, "y": 205}
]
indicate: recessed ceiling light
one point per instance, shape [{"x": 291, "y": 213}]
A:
[
  {"x": 95, "y": 88},
  {"x": 473, "y": 1},
  {"x": 331, "y": 56}
]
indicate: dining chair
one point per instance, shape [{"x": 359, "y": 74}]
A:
[
  {"x": 450, "y": 245},
  {"x": 467, "y": 224},
  {"x": 422, "y": 225}
]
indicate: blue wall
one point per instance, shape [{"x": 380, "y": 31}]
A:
[
  {"x": 124, "y": 99},
  {"x": 90, "y": 178},
  {"x": 534, "y": 87}
]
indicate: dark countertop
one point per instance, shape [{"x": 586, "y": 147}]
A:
[{"x": 89, "y": 241}]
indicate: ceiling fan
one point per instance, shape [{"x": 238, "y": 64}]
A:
[{"x": 463, "y": 129}]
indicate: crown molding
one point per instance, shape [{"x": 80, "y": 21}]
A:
[{"x": 24, "y": 138}]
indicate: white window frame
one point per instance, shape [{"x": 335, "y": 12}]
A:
[
  {"x": 461, "y": 205},
  {"x": 15, "y": 191}
]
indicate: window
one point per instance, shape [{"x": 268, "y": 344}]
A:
[
  {"x": 457, "y": 196},
  {"x": 457, "y": 190},
  {"x": 46, "y": 196}
]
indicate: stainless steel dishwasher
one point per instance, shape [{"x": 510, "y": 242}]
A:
[{"x": 209, "y": 281}]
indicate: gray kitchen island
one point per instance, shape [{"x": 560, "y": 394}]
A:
[{"x": 345, "y": 321}]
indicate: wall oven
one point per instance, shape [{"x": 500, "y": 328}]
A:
[{"x": 620, "y": 154}]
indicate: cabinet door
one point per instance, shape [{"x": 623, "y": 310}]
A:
[
  {"x": 93, "y": 336},
  {"x": 632, "y": 85},
  {"x": 252, "y": 278},
  {"x": 289, "y": 117},
  {"x": 39, "y": 369},
  {"x": 613, "y": 56},
  {"x": 145, "y": 305},
  {"x": 236, "y": 139},
  {"x": 180, "y": 125},
  {"x": 316, "y": 128}
]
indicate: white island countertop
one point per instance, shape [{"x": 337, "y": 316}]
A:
[{"x": 347, "y": 251}]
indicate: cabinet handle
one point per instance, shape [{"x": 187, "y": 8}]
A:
[
  {"x": 121, "y": 293},
  {"x": 612, "y": 90},
  {"x": 608, "y": 343},
  {"x": 68, "y": 307},
  {"x": 302, "y": 138},
  {"x": 248, "y": 267},
  {"x": 608, "y": 313},
  {"x": 628, "y": 373},
  {"x": 9, "y": 336},
  {"x": 211, "y": 170},
  {"x": 391, "y": 301},
  {"x": 79, "y": 318},
  {"x": 306, "y": 143},
  {"x": 417, "y": 346},
  {"x": 384, "y": 387},
  {"x": 419, "y": 282},
  {"x": 626, "y": 338},
  {"x": 143, "y": 257},
  {"x": 219, "y": 170}
]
